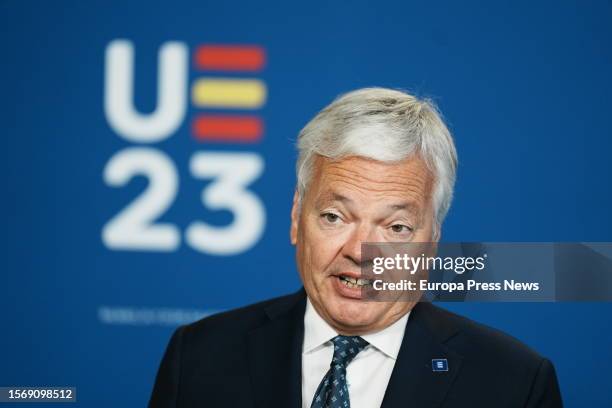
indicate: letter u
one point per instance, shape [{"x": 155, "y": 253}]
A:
[{"x": 119, "y": 92}]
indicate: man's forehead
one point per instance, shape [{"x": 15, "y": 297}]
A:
[{"x": 410, "y": 177}]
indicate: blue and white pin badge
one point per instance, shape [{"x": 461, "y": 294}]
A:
[{"x": 439, "y": 364}]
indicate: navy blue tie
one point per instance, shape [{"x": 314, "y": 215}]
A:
[{"x": 333, "y": 390}]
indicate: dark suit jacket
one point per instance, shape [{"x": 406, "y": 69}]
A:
[{"x": 251, "y": 357}]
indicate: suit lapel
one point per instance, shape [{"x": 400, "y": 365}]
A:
[
  {"x": 275, "y": 354},
  {"x": 413, "y": 382}
]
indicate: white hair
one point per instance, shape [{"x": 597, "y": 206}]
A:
[{"x": 385, "y": 125}]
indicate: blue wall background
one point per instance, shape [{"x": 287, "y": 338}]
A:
[{"x": 525, "y": 87}]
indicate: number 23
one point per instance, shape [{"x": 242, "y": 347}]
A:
[{"x": 134, "y": 227}]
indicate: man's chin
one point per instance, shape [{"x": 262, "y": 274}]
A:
[{"x": 352, "y": 313}]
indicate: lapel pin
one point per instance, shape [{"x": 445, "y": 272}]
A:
[{"x": 439, "y": 364}]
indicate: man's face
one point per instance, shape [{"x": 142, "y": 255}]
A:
[{"x": 349, "y": 202}]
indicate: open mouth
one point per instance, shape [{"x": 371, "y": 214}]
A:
[{"x": 357, "y": 283}]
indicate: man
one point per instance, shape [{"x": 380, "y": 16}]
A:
[{"x": 377, "y": 165}]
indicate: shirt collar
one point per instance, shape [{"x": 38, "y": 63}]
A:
[
  {"x": 317, "y": 332},
  {"x": 389, "y": 339}
]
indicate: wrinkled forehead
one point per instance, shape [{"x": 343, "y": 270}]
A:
[{"x": 361, "y": 180}]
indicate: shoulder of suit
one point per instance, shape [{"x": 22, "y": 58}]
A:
[
  {"x": 243, "y": 319},
  {"x": 470, "y": 338}
]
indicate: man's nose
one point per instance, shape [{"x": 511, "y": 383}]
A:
[{"x": 361, "y": 234}]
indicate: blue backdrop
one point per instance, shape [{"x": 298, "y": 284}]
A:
[{"x": 524, "y": 86}]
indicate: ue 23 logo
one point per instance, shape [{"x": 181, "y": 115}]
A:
[{"x": 135, "y": 226}]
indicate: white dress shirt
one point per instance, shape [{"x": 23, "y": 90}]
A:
[{"x": 367, "y": 375}]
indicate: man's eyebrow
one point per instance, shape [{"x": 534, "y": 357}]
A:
[
  {"x": 406, "y": 205},
  {"x": 332, "y": 196}
]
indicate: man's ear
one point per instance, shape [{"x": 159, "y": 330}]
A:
[
  {"x": 436, "y": 239},
  {"x": 293, "y": 232},
  {"x": 437, "y": 234}
]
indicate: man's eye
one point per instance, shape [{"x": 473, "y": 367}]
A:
[
  {"x": 399, "y": 228},
  {"x": 331, "y": 217}
]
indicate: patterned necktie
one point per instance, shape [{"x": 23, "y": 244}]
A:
[{"x": 333, "y": 390}]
